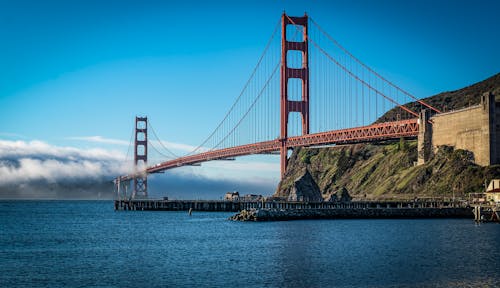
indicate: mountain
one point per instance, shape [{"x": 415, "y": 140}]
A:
[{"x": 387, "y": 170}]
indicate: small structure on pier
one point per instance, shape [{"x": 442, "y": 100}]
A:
[
  {"x": 493, "y": 191},
  {"x": 488, "y": 210},
  {"x": 232, "y": 196},
  {"x": 477, "y": 198}
]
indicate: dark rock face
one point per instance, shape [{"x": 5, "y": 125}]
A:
[
  {"x": 304, "y": 189},
  {"x": 341, "y": 195},
  {"x": 245, "y": 215}
]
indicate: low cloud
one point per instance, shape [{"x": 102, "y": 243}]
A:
[
  {"x": 24, "y": 170},
  {"x": 38, "y": 170},
  {"x": 88, "y": 189}
]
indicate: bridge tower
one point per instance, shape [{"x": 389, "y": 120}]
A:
[
  {"x": 140, "y": 157},
  {"x": 286, "y": 105}
]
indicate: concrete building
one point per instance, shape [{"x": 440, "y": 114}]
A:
[
  {"x": 232, "y": 196},
  {"x": 493, "y": 191},
  {"x": 475, "y": 128}
]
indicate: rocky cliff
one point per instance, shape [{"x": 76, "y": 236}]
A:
[
  {"x": 368, "y": 171},
  {"x": 302, "y": 188},
  {"x": 388, "y": 170}
]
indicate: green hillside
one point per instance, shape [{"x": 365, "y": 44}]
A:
[{"x": 388, "y": 170}]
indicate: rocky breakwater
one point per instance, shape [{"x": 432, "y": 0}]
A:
[
  {"x": 266, "y": 214},
  {"x": 269, "y": 214}
]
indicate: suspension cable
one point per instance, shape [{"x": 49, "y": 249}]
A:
[
  {"x": 251, "y": 106},
  {"x": 353, "y": 75},
  {"x": 158, "y": 151},
  {"x": 257, "y": 98},
  {"x": 161, "y": 143},
  {"x": 242, "y": 91},
  {"x": 129, "y": 143},
  {"x": 371, "y": 70}
]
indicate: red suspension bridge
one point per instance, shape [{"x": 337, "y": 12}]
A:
[{"x": 321, "y": 93}]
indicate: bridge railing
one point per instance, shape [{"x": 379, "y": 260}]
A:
[{"x": 375, "y": 132}]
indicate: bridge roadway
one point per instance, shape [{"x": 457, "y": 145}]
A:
[{"x": 371, "y": 133}]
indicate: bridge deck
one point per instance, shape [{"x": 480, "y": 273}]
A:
[{"x": 371, "y": 133}]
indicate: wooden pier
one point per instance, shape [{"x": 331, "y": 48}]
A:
[
  {"x": 181, "y": 205},
  {"x": 486, "y": 213},
  {"x": 235, "y": 206}
]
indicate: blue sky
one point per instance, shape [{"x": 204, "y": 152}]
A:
[{"x": 75, "y": 73}]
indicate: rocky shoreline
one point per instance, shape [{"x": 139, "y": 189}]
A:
[{"x": 270, "y": 214}]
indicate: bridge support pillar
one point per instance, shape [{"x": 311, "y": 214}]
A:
[
  {"x": 287, "y": 106},
  {"x": 424, "y": 137},
  {"x": 140, "y": 157},
  {"x": 121, "y": 188}
]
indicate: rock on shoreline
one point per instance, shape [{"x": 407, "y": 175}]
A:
[{"x": 350, "y": 213}]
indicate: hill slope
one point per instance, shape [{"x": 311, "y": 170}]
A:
[{"x": 387, "y": 170}]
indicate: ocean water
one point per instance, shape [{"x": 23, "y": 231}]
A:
[{"x": 87, "y": 244}]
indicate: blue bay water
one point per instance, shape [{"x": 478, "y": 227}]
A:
[{"x": 87, "y": 244}]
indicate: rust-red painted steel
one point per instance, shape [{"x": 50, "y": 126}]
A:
[
  {"x": 287, "y": 73},
  {"x": 141, "y": 156},
  {"x": 375, "y": 132}
]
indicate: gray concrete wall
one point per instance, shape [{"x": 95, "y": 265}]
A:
[
  {"x": 475, "y": 129},
  {"x": 496, "y": 140}
]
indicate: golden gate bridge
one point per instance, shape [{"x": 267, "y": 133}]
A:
[{"x": 306, "y": 90}]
